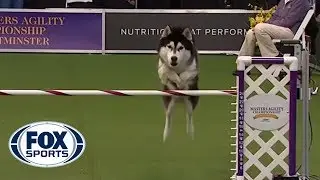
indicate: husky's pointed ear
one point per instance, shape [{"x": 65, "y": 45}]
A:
[
  {"x": 188, "y": 34},
  {"x": 166, "y": 32}
]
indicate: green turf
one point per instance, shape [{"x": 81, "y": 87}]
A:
[{"x": 123, "y": 134}]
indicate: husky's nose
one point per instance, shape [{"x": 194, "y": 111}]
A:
[{"x": 174, "y": 60}]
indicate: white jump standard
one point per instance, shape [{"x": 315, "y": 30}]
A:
[{"x": 260, "y": 111}]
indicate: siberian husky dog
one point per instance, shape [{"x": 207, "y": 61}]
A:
[{"x": 178, "y": 69}]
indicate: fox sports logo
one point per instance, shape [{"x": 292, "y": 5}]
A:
[{"x": 47, "y": 144}]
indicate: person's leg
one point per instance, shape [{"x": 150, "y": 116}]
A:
[
  {"x": 264, "y": 34},
  {"x": 248, "y": 45}
]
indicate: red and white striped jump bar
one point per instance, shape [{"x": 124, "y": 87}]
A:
[{"x": 117, "y": 92}]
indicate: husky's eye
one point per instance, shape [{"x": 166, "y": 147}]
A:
[
  {"x": 180, "y": 48},
  {"x": 169, "y": 46}
]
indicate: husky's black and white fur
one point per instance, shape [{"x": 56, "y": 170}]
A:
[{"x": 178, "y": 69}]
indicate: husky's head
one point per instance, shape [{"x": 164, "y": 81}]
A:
[{"x": 176, "y": 46}]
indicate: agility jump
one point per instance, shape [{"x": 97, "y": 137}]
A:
[{"x": 257, "y": 111}]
